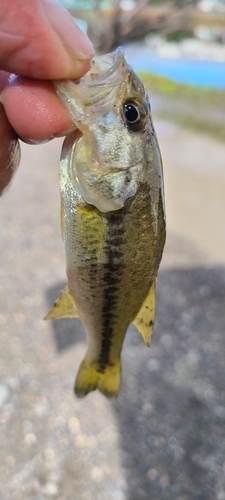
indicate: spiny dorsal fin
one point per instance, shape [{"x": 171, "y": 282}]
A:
[
  {"x": 63, "y": 307},
  {"x": 144, "y": 320}
]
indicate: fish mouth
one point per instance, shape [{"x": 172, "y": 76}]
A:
[
  {"x": 106, "y": 68},
  {"x": 97, "y": 87},
  {"x": 106, "y": 74}
]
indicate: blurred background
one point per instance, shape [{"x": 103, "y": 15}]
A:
[{"x": 164, "y": 437}]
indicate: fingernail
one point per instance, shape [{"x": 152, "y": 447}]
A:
[{"x": 65, "y": 132}]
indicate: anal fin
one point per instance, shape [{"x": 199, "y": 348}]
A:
[
  {"x": 144, "y": 320},
  {"x": 63, "y": 307}
]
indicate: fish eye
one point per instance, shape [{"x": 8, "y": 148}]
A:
[{"x": 134, "y": 115}]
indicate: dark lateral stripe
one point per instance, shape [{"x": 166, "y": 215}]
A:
[{"x": 111, "y": 278}]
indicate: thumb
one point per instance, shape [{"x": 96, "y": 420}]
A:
[
  {"x": 40, "y": 39},
  {"x": 9, "y": 151}
]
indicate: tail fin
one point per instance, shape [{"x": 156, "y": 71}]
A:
[{"x": 91, "y": 377}]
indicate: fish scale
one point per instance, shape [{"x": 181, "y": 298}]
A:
[
  {"x": 113, "y": 219},
  {"x": 112, "y": 279},
  {"x": 112, "y": 298}
]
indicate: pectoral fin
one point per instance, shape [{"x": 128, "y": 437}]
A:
[
  {"x": 63, "y": 307},
  {"x": 144, "y": 320}
]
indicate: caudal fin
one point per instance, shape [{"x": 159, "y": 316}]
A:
[{"x": 90, "y": 377}]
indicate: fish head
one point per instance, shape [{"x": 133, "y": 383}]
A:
[{"x": 118, "y": 149}]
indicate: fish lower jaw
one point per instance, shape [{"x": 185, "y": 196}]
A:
[
  {"x": 105, "y": 187},
  {"x": 107, "y": 193},
  {"x": 106, "y": 196}
]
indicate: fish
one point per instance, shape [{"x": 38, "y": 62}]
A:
[{"x": 112, "y": 215}]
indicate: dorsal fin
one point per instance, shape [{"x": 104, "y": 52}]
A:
[
  {"x": 144, "y": 320},
  {"x": 63, "y": 307}
]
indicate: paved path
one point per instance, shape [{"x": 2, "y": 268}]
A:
[
  {"x": 164, "y": 436},
  {"x": 194, "y": 167}
]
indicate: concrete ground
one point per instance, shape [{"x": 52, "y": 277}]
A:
[{"x": 164, "y": 437}]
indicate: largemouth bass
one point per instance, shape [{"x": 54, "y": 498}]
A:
[{"x": 113, "y": 222}]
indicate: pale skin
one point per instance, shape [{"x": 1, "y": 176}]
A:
[{"x": 39, "y": 42}]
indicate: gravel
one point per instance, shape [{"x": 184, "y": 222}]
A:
[{"x": 163, "y": 438}]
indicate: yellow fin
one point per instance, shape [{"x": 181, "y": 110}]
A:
[
  {"x": 63, "y": 307},
  {"x": 144, "y": 320},
  {"x": 91, "y": 376}
]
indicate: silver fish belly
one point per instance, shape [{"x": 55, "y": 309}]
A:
[{"x": 113, "y": 219}]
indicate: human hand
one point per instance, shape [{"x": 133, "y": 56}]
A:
[{"x": 40, "y": 42}]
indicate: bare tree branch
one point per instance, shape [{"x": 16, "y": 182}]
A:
[{"x": 110, "y": 28}]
